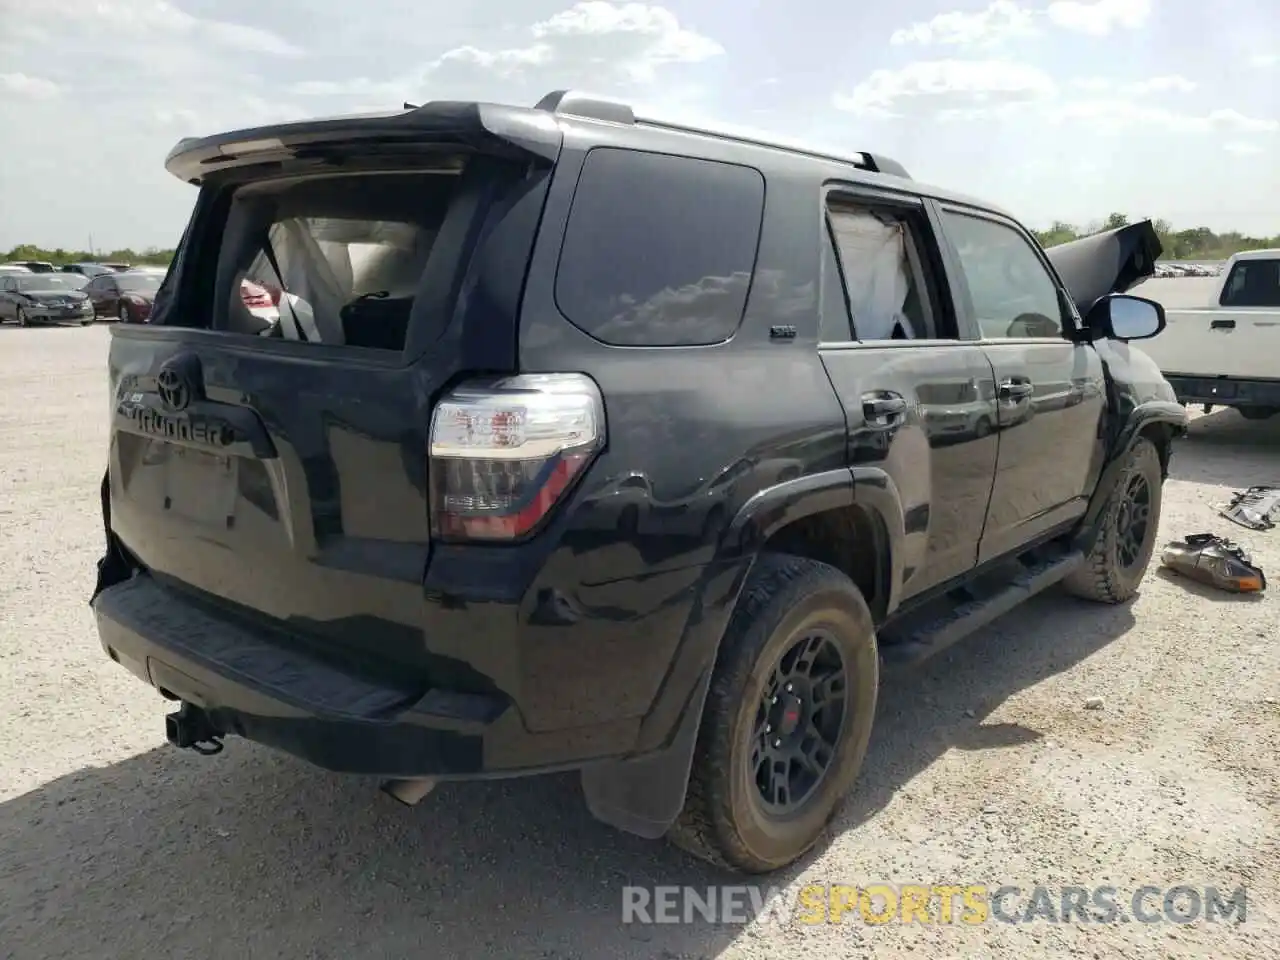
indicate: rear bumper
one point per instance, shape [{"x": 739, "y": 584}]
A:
[
  {"x": 1226, "y": 391},
  {"x": 271, "y": 688}
]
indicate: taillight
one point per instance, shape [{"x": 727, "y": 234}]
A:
[{"x": 505, "y": 450}]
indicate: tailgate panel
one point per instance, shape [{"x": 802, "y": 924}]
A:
[{"x": 319, "y": 520}]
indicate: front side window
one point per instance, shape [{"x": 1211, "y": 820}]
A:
[
  {"x": 1012, "y": 292},
  {"x": 883, "y": 272}
]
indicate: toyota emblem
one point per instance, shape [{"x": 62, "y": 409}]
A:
[{"x": 176, "y": 385}]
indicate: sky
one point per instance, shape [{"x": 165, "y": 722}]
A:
[{"x": 1053, "y": 109}]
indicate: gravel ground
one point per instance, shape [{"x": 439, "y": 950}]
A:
[{"x": 987, "y": 768}]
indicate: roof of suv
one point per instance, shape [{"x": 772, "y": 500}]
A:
[{"x": 532, "y": 126}]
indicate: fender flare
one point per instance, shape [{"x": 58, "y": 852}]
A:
[
  {"x": 644, "y": 793},
  {"x": 1143, "y": 416}
]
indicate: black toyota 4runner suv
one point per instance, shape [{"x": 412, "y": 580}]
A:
[{"x": 583, "y": 441}]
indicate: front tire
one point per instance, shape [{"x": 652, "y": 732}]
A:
[
  {"x": 787, "y": 718},
  {"x": 123, "y": 313},
  {"x": 21, "y": 317},
  {"x": 1122, "y": 552}
]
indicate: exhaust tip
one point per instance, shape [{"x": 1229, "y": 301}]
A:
[{"x": 409, "y": 792}]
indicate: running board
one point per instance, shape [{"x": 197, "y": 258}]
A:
[{"x": 922, "y": 634}]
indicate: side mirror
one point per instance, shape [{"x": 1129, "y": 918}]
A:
[{"x": 1119, "y": 316}]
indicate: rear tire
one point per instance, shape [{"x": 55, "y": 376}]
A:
[
  {"x": 758, "y": 802},
  {"x": 1122, "y": 552},
  {"x": 1258, "y": 413}
]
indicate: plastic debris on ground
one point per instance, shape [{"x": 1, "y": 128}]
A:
[
  {"x": 1215, "y": 561},
  {"x": 1255, "y": 508}
]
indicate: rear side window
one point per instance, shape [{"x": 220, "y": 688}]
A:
[
  {"x": 1253, "y": 283},
  {"x": 659, "y": 250}
]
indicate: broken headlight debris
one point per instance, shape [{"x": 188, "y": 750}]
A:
[
  {"x": 1255, "y": 508},
  {"x": 1216, "y": 561}
]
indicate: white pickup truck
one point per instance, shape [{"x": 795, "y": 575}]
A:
[{"x": 1226, "y": 352}]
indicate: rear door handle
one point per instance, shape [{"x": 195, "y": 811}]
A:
[
  {"x": 883, "y": 409},
  {"x": 1222, "y": 325},
  {"x": 1016, "y": 389}
]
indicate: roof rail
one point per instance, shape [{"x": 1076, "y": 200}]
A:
[
  {"x": 874, "y": 163},
  {"x": 578, "y": 104},
  {"x": 574, "y": 103}
]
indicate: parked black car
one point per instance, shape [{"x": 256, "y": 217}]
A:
[
  {"x": 611, "y": 451},
  {"x": 37, "y": 298}
]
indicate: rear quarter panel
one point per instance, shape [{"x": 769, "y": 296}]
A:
[{"x": 693, "y": 433}]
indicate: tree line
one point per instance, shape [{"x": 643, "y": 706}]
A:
[
  {"x": 152, "y": 256},
  {"x": 1196, "y": 243}
]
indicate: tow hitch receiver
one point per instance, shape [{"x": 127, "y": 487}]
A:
[{"x": 190, "y": 728}]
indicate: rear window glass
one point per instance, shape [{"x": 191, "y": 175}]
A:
[
  {"x": 659, "y": 250},
  {"x": 334, "y": 260},
  {"x": 1253, "y": 283}
]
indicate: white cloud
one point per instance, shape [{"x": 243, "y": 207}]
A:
[
  {"x": 1099, "y": 17},
  {"x": 1002, "y": 20},
  {"x": 629, "y": 41},
  {"x": 1168, "y": 84},
  {"x": 1242, "y": 147},
  {"x": 618, "y": 45},
  {"x": 1172, "y": 83},
  {"x": 33, "y": 88},
  {"x": 1125, "y": 115},
  {"x": 978, "y": 89},
  {"x": 138, "y": 22},
  {"x": 1264, "y": 60},
  {"x": 946, "y": 86}
]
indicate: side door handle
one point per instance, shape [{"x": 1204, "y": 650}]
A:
[
  {"x": 883, "y": 409},
  {"x": 1222, "y": 325},
  {"x": 1016, "y": 389}
]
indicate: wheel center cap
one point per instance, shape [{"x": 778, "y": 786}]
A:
[{"x": 792, "y": 710}]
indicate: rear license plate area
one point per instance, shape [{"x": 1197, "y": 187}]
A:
[{"x": 201, "y": 487}]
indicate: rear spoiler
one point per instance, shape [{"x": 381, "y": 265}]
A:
[
  {"x": 483, "y": 127},
  {"x": 1110, "y": 262}
]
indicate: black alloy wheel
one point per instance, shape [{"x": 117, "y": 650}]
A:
[{"x": 798, "y": 723}]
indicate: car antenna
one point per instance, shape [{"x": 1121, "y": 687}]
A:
[{"x": 410, "y": 106}]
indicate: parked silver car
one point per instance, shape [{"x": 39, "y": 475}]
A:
[{"x": 44, "y": 298}]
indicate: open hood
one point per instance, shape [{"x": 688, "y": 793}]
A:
[{"x": 1110, "y": 262}]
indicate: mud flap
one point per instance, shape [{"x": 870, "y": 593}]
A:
[{"x": 644, "y": 796}]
